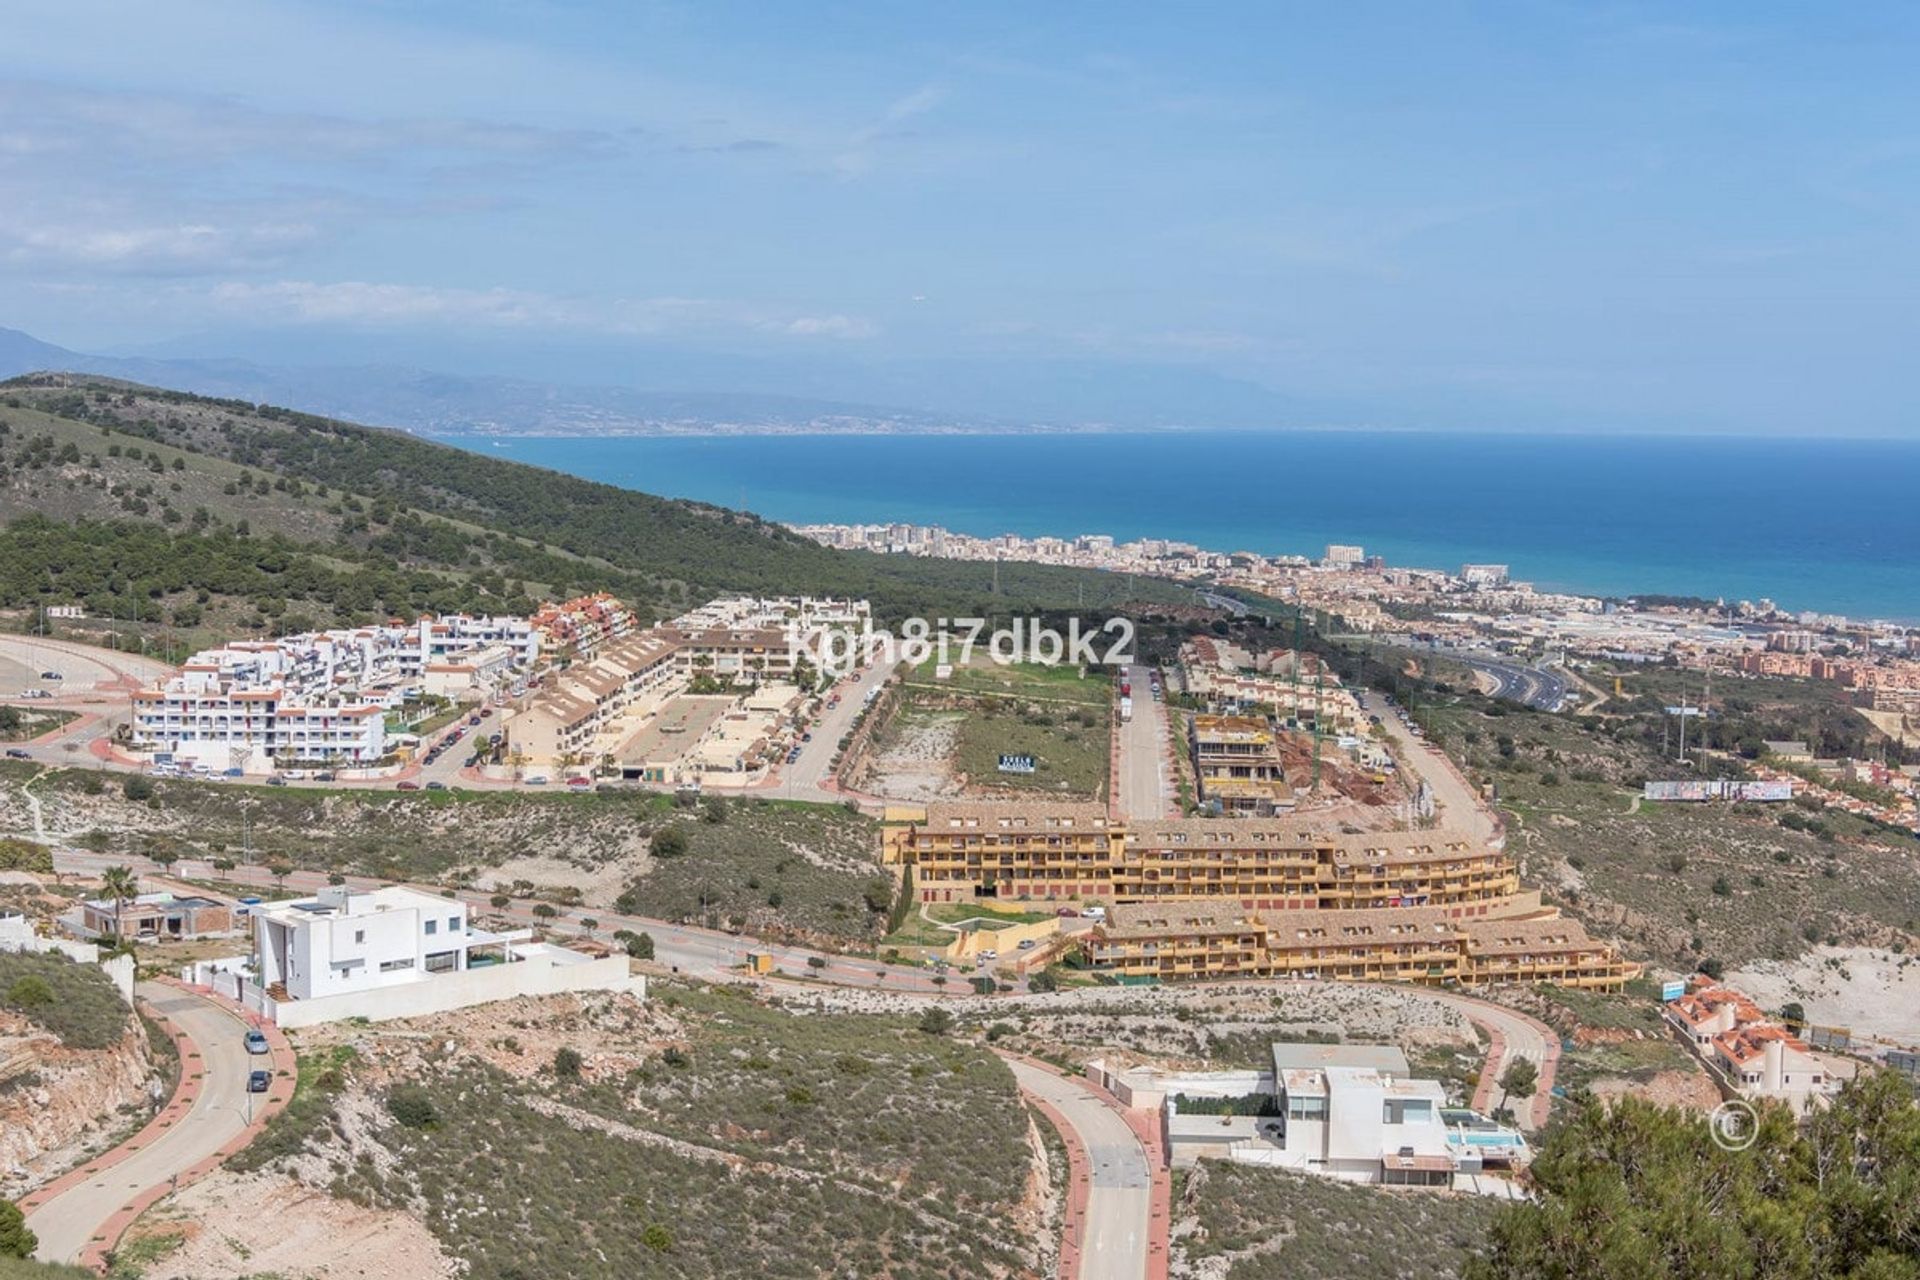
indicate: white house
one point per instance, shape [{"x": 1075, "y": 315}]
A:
[
  {"x": 341, "y": 941},
  {"x": 1352, "y": 1112},
  {"x": 394, "y": 952}
]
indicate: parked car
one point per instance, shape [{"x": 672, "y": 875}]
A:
[
  {"x": 233, "y": 773},
  {"x": 436, "y": 786},
  {"x": 1067, "y": 913},
  {"x": 989, "y": 954},
  {"x": 485, "y": 712},
  {"x": 15, "y": 753},
  {"x": 1026, "y": 944},
  {"x": 51, "y": 675},
  {"x": 323, "y": 777},
  {"x": 276, "y": 781},
  {"x": 259, "y": 1082},
  {"x": 256, "y": 1042},
  {"x": 1094, "y": 913},
  {"x": 406, "y": 786},
  {"x": 806, "y": 737}
]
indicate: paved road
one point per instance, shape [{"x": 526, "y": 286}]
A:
[
  {"x": 1534, "y": 687},
  {"x": 1458, "y": 806},
  {"x": 1145, "y": 789},
  {"x": 1120, "y": 1206},
  {"x": 804, "y": 778},
  {"x": 67, "y": 1222},
  {"x": 702, "y": 953},
  {"x": 1522, "y": 1038}
]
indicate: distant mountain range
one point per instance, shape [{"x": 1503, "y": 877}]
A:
[{"x": 446, "y": 404}]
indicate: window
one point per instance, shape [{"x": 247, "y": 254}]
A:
[
  {"x": 359, "y": 935},
  {"x": 453, "y": 924},
  {"x": 433, "y": 926},
  {"x": 388, "y": 966}
]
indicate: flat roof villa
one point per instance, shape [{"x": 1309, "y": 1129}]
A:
[
  {"x": 394, "y": 952},
  {"x": 1353, "y": 1112}
]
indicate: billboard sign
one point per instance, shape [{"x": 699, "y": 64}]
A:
[
  {"x": 1670, "y": 991},
  {"x": 1016, "y": 763}
]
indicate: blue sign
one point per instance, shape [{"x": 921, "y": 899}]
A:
[
  {"x": 1672, "y": 990},
  {"x": 1016, "y": 764}
]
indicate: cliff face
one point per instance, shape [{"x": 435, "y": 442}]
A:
[{"x": 57, "y": 1103}]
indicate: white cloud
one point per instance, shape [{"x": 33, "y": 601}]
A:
[
  {"x": 382, "y": 305},
  {"x": 158, "y": 249},
  {"x": 828, "y": 327}
]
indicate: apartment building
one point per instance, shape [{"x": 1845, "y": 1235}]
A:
[
  {"x": 1220, "y": 938},
  {"x": 320, "y": 697},
  {"x": 1748, "y": 1053},
  {"x": 1042, "y": 850},
  {"x": 575, "y": 716},
  {"x": 960, "y": 851},
  {"x": 1236, "y": 760},
  {"x": 580, "y": 627}
]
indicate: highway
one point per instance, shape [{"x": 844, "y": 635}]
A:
[
  {"x": 1145, "y": 791},
  {"x": 66, "y": 1223},
  {"x": 1534, "y": 687},
  {"x": 1120, "y": 1203}
]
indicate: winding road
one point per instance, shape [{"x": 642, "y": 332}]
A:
[
  {"x": 1118, "y": 1210},
  {"x": 80, "y": 1210}
]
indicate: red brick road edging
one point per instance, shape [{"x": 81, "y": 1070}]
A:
[{"x": 186, "y": 1093}]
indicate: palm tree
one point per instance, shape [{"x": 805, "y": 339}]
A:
[{"x": 122, "y": 885}]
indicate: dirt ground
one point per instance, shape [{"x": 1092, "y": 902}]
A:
[
  {"x": 237, "y": 1225},
  {"x": 1868, "y": 990},
  {"x": 915, "y": 760}
]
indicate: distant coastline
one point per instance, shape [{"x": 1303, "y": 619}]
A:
[{"x": 1814, "y": 525}]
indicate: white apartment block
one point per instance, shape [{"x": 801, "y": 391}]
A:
[{"x": 321, "y": 697}]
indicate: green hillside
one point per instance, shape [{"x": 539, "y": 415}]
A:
[{"x": 189, "y": 512}]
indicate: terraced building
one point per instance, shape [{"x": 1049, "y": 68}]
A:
[{"x": 1237, "y": 897}]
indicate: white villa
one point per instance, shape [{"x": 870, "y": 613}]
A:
[{"x": 394, "y": 952}]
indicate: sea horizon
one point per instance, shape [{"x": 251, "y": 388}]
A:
[{"x": 1814, "y": 525}]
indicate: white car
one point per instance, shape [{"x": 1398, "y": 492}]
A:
[
  {"x": 989, "y": 955},
  {"x": 1094, "y": 913}
]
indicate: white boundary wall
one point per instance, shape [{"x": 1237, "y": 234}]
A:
[{"x": 441, "y": 992}]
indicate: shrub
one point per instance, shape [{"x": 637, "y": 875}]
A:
[
  {"x": 29, "y": 994},
  {"x": 657, "y": 1238},
  {"x": 669, "y": 842},
  {"x": 411, "y": 1107},
  {"x": 15, "y": 1240},
  {"x": 500, "y": 901},
  {"x": 76, "y": 1002},
  {"x": 137, "y": 787},
  {"x": 936, "y": 1021},
  {"x": 566, "y": 1063}
]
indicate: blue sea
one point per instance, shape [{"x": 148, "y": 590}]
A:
[{"x": 1832, "y": 526}]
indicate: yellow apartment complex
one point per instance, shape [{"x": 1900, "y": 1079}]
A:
[{"x": 1253, "y": 897}]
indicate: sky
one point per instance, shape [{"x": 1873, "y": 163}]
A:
[{"x": 1518, "y": 216}]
